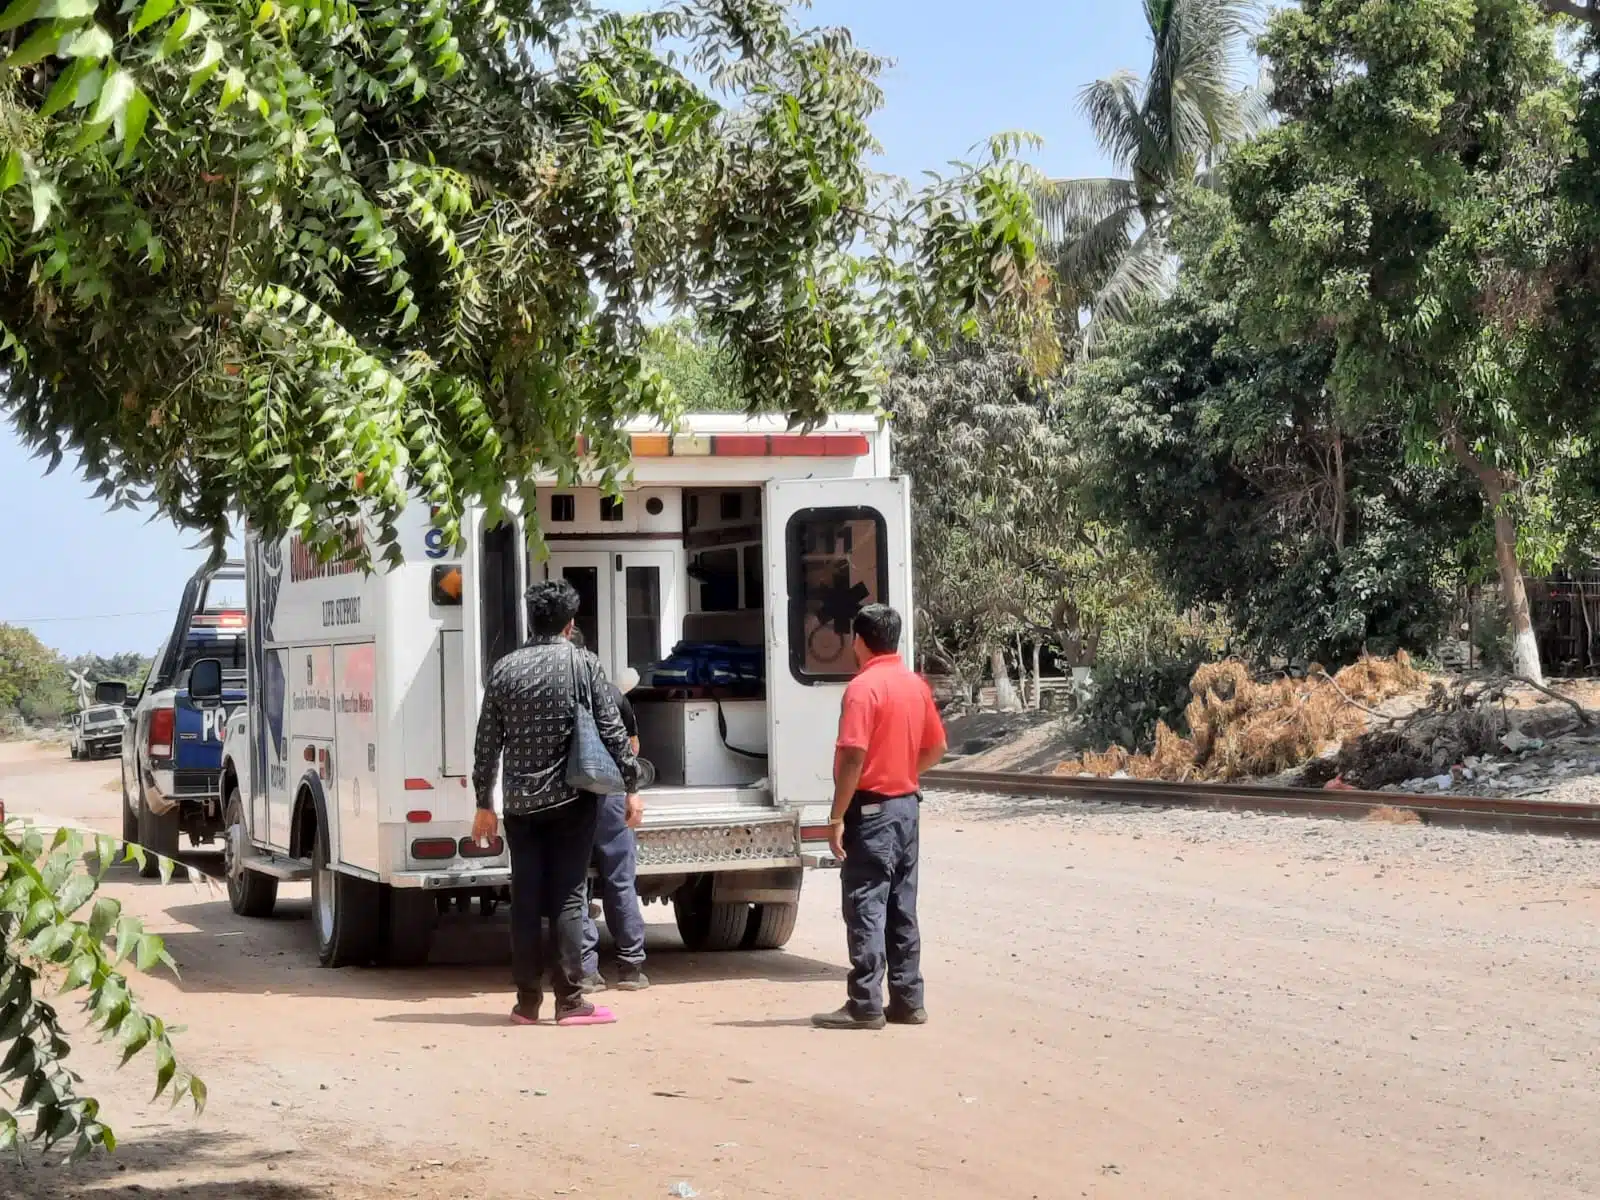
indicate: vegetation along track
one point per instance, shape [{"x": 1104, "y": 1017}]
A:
[{"x": 1551, "y": 817}]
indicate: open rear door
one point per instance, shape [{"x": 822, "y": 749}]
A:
[{"x": 832, "y": 545}]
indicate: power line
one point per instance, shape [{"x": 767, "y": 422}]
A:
[{"x": 153, "y": 612}]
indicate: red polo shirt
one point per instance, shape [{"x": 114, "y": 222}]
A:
[{"x": 888, "y": 711}]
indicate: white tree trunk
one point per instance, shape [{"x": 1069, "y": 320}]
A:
[
  {"x": 1038, "y": 677},
  {"x": 1524, "y": 645},
  {"x": 1005, "y": 692}
]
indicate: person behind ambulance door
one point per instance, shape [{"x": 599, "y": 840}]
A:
[
  {"x": 529, "y": 713},
  {"x": 616, "y": 862},
  {"x": 889, "y": 733}
]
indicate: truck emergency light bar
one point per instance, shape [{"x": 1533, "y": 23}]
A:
[
  {"x": 744, "y": 445},
  {"x": 218, "y": 620}
]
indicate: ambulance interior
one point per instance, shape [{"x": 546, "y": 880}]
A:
[{"x": 674, "y": 584}]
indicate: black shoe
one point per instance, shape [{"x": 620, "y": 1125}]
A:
[
  {"x": 845, "y": 1018},
  {"x": 904, "y": 1014},
  {"x": 592, "y": 983},
  {"x": 631, "y": 978}
]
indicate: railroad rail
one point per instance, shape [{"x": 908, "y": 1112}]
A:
[{"x": 1551, "y": 817}]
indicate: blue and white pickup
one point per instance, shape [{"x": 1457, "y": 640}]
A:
[{"x": 172, "y": 744}]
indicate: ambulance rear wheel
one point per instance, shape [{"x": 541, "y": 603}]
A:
[
  {"x": 158, "y": 834},
  {"x": 771, "y": 926},
  {"x": 345, "y": 911},
  {"x": 409, "y": 919},
  {"x": 250, "y": 893},
  {"x": 704, "y": 925}
]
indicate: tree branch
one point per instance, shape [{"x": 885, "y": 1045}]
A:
[
  {"x": 1586, "y": 717},
  {"x": 1571, "y": 8}
]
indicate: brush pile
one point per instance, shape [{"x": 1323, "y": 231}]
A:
[{"x": 1239, "y": 728}]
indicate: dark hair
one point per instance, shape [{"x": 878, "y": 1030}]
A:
[
  {"x": 878, "y": 626},
  {"x": 576, "y": 637},
  {"x": 551, "y": 607}
]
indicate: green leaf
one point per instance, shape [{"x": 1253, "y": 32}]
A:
[
  {"x": 152, "y": 12},
  {"x": 75, "y": 893},
  {"x": 68, "y": 10},
  {"x": 151, "y": 949},
  {"x": 115, "y": 93},
  {"x": 19, "y": 12},
  {"x": 11, "y": 171},
  {"x": 65, "y": 89},
  {"x": 197, "y": 1089},
  {"x": 91, "y": 41},
  {"x": 80, "y": 973},
  {"x": 133, "y": 121},
  {"x": 103, "y": 919},
  {"x": 40, "y": 44}
]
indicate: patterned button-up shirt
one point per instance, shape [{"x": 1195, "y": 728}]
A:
[{"x": 528, "y": 710}]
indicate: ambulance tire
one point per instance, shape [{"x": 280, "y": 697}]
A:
[
  {"x": 771, "y": 926},
  {"x": 704, "y": 925},
  {"x": 410, "y": 916},
  {"x": 158, "y": 834},
  {"x": 250, "y": 893},
  {"x": 346, "y": 912}
]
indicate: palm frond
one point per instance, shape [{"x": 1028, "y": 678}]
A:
[
  {"x": 1143, "y": 274},
  {"x": 1116, "y": 109},
  {"x": 1068, "y": 208}
]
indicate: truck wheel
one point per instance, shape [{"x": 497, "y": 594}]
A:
[
  {"x": 250, "y": 893},
  {"x": 704, "y": 925},
  {"x": 158, "y": 834},
  {"x": 345, "y": 911},
  {"x": 771, "y": 926},
  {"x": 410, "y": 916},
  {"x": 130, "y": 817}
]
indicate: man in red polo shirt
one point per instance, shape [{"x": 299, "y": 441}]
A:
[{"x": 889, "y": 733}]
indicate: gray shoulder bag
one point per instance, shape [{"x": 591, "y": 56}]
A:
[{"x": 590, "y": 767}]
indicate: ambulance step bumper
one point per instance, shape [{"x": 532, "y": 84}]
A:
[
  {"x": 737, "y": 841},
  {"x": 436, "y": 881}
]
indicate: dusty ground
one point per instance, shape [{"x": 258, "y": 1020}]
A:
[{"x": 1124, "y": 1005}]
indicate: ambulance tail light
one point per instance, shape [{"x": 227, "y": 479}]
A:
[
  {"x": 433, "y": 848},
  {"x": 158, "y": 742},
  {"x": 494, "y": 848},
  {"x": 815, "y": 833}
]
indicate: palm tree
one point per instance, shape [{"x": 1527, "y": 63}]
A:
[{"x": 1108, "y": 237}]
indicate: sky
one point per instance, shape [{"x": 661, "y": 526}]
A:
[{"x": 91, "y": 581}]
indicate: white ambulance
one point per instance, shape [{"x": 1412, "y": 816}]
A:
[{"x": 726, "y": 575}]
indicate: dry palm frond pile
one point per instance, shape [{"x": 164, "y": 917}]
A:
[{"x": 1240, "y": 728}]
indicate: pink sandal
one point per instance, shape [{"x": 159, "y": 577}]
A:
[
  {"x": 517, "y": 1017},
  {"x": 589, "y": 1014}
]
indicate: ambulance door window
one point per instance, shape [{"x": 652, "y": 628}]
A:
[
  {"x": 501, "y": 630},
  {"x": 838, "y": 561},
  {"x": 586, "y": 581}
]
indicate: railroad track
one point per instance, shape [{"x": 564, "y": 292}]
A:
[{"x": 1474, "y": 812}]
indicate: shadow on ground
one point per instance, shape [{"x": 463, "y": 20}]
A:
[
  {"x": 224, "y": 953},
  {"x": 185, "y": 1164}
]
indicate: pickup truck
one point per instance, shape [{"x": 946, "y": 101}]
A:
[
  {"x": 97, "y": 731},
  {"x": 172, "y": 742}
]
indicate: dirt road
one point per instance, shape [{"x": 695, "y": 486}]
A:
[{"x": 1139, "y": 1005}]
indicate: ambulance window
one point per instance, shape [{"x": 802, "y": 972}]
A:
[
  {"x": 498, "y": 573},
  {"x": 755, "y": 595},
  {"x": 563, "y": 508},
  {"x": 838, "y": 561},
  {"x": 644, "y": 616},
  {"x": 610, "y": 508},
  {"x": 717, "y": 572}
]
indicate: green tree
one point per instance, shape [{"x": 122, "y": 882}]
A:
[
  {"x": 54, "y": 941},
  {"x": 1235, "y": 469},
  {"x": 28, "y": 669},
  {"x": 1408, "y": 211},
  {"x": 1108, "y": 238},
  {"x": 1003, "y": 544},
  {"x": 700, "y": 371},
  {"x": 304, "y": 258}
]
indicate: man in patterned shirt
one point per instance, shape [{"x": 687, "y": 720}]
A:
[{"x": 529, "y": 707}]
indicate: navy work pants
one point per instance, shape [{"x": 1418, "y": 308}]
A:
[
  {"x": 879, "y": 878},
  {"x": 615, "y": 861},
  {"x": 550, "y": 879}
]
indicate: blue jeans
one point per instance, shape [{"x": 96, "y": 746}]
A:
[
  {"x": 615, "y": 860},
  {"x": 879, "y": 880}
]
